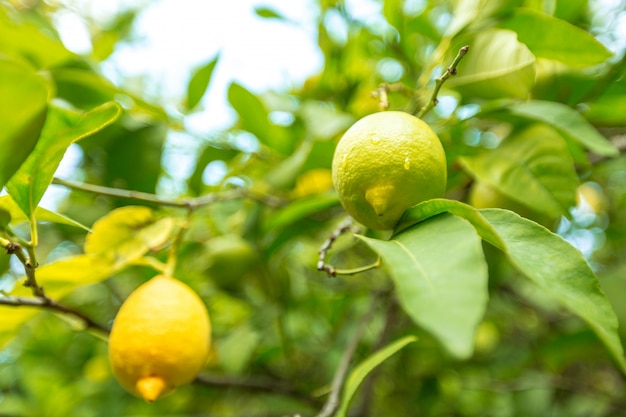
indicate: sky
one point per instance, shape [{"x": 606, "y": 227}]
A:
[
  {"x": 176, "y": 36},
  {"x": 170, "y": 38}
]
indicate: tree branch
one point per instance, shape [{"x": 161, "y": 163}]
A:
[
  {"x": 188, "y": 203},
  {"x": 439, "y": 81},
  {"x": 255, "y": 384},
  {"x": 49, "y": 304},
  {"x": 332, "y": 403}
]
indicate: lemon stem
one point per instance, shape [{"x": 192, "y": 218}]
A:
[
  {"x": 439, "y": 81},
  {"x": 358, "y": 270}
]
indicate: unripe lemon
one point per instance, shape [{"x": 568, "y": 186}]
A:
[
  {"x": 160, "y": 338},
  {"x": 385, "y": 163}
]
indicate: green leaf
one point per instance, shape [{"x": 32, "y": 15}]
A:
[
  {"x": 322, "y": 121},
  {"x": 559, "y": 269},
  {"x": 360, "y": 372},
  {"x": 23, "y": 106},
  {"x": 497, "y": 66},
  {"x": 31, "y": 181},
  {"x": 126, "y": 234},
  {"x": 544, "y": 257},
  {"x": 254, "y": 118},
  {"x": 430, "y": 208},
  {"x": 61, "y": 277},
  {"x": 41, "y": 214},
  {"x": 5, "y": 219},
  {"x": 476, "y": 14},
  {"x": 552, "y": 38},
  {"x": 393, "y": 13},
  {"x": 567, "y": 121},
  {"x": 440, "y": 276},
  {"x": 267, "y": 13},
  {"x": 86, "y": 89},
  {"x": 252, "y": 112},
  {"x": 301, "y": 209},
  {"x": 199, "y": 83},
  {"x": 532, "y": 167},
  {"x": 209, "y": 154}
]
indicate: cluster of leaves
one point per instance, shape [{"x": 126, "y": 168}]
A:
[{"x": 453, "y": 325}]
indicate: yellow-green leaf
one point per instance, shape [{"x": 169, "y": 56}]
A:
[
  {"x": 12, "y": 319},
  {"x": 61, "y": 277},
  {"x": 126, "y": 234}
]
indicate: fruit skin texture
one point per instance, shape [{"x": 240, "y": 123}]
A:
[
  {"x": 160, "y": 338},
  {"x": 385, "y": 163}
]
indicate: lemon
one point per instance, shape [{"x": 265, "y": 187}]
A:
[
  {"x": 385, "y": 163},
  {"x": 160, "y": 338}
]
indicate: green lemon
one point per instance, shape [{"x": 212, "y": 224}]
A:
[{"x": 385, "y": 163}]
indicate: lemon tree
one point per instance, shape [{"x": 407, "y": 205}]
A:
[
  {"x": 385, "y": 163},
  {"x": 349, "y": 266}
]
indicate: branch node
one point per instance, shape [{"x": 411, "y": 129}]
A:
[
  {"x": 343, "y": 227},
  {"x": 12, "y": 248}
]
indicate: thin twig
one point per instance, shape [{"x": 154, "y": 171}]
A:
[
  {"x": 260, "y": 384},
  {"x": 188, "y": 203},
  {"x": 341, "y": 374},
  {"x": 342, "y": 228},
  {"x": 383, "y": 90},
  {"x": 49, "y": 304},
  {"x": 449, "y": 72},
  {"x": 330, "y": 270}
]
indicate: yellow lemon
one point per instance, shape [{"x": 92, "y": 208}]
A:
[
  {"x": 160, "y": 338},
  {"x": 385, "y": 163}
]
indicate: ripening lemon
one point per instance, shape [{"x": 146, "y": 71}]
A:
[
  {"x": 160, "y": 338},
  {"x": 385, "y": 163}
]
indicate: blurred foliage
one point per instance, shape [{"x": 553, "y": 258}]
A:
[{"x": 535, "y": 116}]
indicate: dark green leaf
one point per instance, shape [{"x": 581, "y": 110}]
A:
[
  {"x": 253, "y": 115},
  {"x": 440, "y": 276},
  {"x": 5, "y": 219},
  {"x": 199, "y": 83},
  {"x": 533, "y": 167},
  {"x": 559, "y": 269},
  {"x": 209, "y": 154},
  {"x": 301, "y": 209},
  {"x": 567, "y": 121},
  {"x": 23, "y": 106},
  {"x": 552, "y": 38},
  {"x": 31, "y": 181}
]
